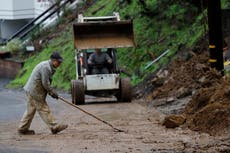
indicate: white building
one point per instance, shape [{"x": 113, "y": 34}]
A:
[{"x": 14, "y": 14}]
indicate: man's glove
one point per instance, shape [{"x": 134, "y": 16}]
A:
[{"x": 53, "y": 94}]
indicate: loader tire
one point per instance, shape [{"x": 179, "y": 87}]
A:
[
  {"x": 125, "y": 94},
  {"x": 78, "y": 92}
]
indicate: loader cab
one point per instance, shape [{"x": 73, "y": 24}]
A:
[{"x": 113, "y": 68}]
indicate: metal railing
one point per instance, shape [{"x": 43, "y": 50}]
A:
[{"x": 25, "y": 30}]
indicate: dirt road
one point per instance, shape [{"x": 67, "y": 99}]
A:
[{"x": 144, "y": 133}]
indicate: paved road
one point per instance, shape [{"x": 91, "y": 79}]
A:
[
  {"x": 12, "y": 107},
  {"x": 13, "y": 103},
  {"x": 144, "y": 133}
]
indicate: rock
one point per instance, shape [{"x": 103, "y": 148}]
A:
[
  {"x": 227, "y": 91},
  {"x": 170, "y": 99},
  {"x": 173, "y": 121},
  {"x": 183, "y": 92},
  {"x": 202, "y": 79},
  {"x": 162, "y": 74},
  {"x": 158, "y": 81}
]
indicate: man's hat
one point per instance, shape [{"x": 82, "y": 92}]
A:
[{"x": 55, "y": 55}]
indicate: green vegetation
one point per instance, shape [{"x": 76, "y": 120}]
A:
[
  {"x": 225, "y": 4},
  {"x": 14, "y": 46},
  {"x": 64, "y": 73},
  {"x": 158, "y": 26}
]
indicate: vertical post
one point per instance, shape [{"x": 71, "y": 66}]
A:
[
  {"x": 215, "y": 35},
  {"x": 76, "y": 62}
]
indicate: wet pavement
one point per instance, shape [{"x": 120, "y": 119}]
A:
[
  {"x": 4, "y": 149},
  {"x": 12, "y": 107},
  {"x": 13, "y": 102},
  {"x": 10, "y": 100},
  {"x": 144, "y": 132},
  {"x": 3, "y": 82}
]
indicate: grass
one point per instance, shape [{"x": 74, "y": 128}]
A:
[{"x": 64, "y": 73}]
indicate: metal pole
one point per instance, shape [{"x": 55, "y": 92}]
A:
[
  {"x": 76, "y": 62},
  {"x": 157, "y": 59},
  {"x": 215, "y": 35}
]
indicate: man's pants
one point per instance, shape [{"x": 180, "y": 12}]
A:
[
  {"x": 100, "y": 71},
  {"x": 43, "y": 110}
]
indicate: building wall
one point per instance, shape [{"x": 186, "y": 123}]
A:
[
  {"x": 6, "y": 8},
  {"x": 9, "y": 27},
  {"x": 41, "y": 5},
  {"x": 16, "y": 9},
  {"x": 14, "y": 14},
  {"x": 23, "y": 9}
]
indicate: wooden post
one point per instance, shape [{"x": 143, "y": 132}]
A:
[{"x": 215, "y": 35}]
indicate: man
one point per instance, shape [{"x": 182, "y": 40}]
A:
[
  {"x": 36, "y": 89},
  {"x": 99, "y": 60}
]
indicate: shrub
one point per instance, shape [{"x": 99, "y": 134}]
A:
[{"x": 14, "y": 46}]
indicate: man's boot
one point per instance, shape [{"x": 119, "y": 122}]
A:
[
  {"x": 26, "y": 132},
  {"x": 58, "y": 128}
]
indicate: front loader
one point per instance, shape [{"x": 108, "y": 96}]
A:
[{"x": 106, "y": 33}]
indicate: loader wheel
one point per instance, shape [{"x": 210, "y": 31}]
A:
[
  {"x": 77, "y": 92},
  {"x": 125, "y": 94}
]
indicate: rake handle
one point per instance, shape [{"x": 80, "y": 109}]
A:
[{"x": 94, "y": 116}]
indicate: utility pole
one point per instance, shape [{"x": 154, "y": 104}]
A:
[{"x": 215, "y": 35}]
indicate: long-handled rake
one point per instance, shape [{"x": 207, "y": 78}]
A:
[{"x": 94, "y": 116}]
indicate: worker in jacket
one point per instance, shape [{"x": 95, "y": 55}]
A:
[
  {"x": 98, "y": 60},
  {"x": 37, "y": 88}
]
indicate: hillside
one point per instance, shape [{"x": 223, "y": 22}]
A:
[{"x": 158, "y": 27}]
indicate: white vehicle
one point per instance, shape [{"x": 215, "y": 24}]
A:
[{"x": 106, "y": 33}]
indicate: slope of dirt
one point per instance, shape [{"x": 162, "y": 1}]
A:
[
  {"x": 185, "y": 77},
  {"x": 209, "y": 108}
]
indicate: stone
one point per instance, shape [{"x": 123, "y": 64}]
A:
[{"x": 173, "y": 121}]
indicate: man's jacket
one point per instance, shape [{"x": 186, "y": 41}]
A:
[
  {"x": 40, "y": 80},
  {"x": 101, "y": 58}
]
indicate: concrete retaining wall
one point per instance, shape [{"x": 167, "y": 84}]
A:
[{"x": 9, "y": 68}]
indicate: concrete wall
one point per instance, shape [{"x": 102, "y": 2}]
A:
[
  {"x": 16, "y": 9},
  {"x": 9, "y": 27},
  {"x": 9, "y": 69},
  {"x": 22, "y": 9},
  {"x": 6, "y": 8}
]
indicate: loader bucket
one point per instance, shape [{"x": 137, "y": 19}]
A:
[{"x": 111, "y": 34}]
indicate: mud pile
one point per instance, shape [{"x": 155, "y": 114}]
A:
[
  {"x": 185, "y": 77},
  {"x": 209, "y": 108}
]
